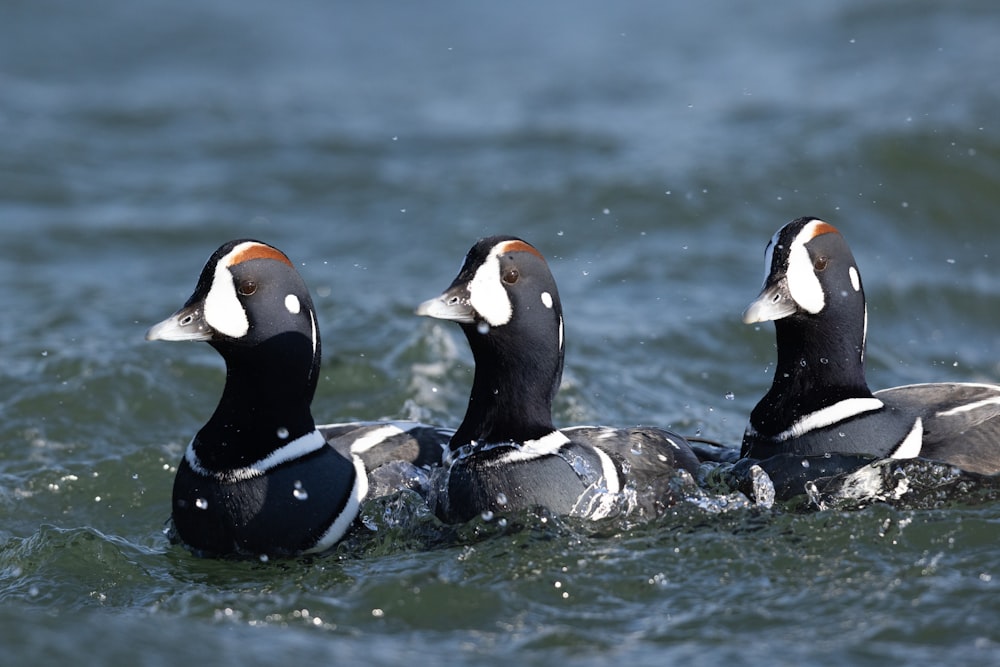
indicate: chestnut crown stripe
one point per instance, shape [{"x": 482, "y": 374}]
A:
[
  {"x": 250, "y": 251},
  {"x": 518, "y": 246},
  {"x": 822, "y": 228}
]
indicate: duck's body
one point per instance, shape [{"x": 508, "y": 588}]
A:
[
  {"x": 507, "y": 455},
  {"x": 260, "y": 478},
  {"x": 820, "y": 401}
]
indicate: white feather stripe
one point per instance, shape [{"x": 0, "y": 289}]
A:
[
  {"x": 374, "y": 437},
  {"x": 969, "y": 407},
  {"x": 348, "y": 512},
  {"x": 611, "y": 480},
  {"x": 838, "y": 412},
  {"x": 533, "y": 449},
  {"x": 910, "y": 447}
]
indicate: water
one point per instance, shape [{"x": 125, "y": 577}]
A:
[{"x": 649, "y": 149}]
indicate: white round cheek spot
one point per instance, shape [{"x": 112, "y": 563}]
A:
[
  {"x": 223, "y": 310},
  {"x": 487, "y": 295},
  {"x": 855, "y": 279},
  {"x": 547, "y": 300},
  {"x": 292, "y": 304},
  {"x": 803, "y": 284}
]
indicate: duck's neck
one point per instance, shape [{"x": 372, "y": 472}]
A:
[
  {"x": 819, "y": 364},
  {"x": 265, "y": 403},
  {"x": 512, "y": 391}
]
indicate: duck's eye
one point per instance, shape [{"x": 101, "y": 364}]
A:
[
  {"x": 820, "y": 263},
  {"x": 247, "y": 287},
  {"x": 510, "y": 276}
]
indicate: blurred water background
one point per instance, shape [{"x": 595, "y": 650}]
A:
[{"x": 649, "y": 149}]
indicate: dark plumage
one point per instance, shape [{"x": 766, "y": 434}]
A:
[
  {"x": 819, "y": 401},
  {"x": 507, "y": 454},
  {"x": 259, "y": 477}
]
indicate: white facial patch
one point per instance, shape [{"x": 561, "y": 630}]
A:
[
  {"x": 547, "y": 300},
  {"x": 487, "y": 294},
  {"x": 803, "y": 284},
  {"x": 292, "y": 304},
  {"x": 855, "y": 279},
  {"x": 223, "y": 310}
]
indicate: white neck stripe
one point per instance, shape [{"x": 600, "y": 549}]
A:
[{"x": 301, "y": 446}]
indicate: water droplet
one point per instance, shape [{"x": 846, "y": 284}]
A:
[
  {"x": 487, "y": 515},
  {"x": 802, "y": 363},
  {"x": 824, "y": 360},
  {"x": 730, "y": 396},
  {"x": 299, "y": 492},
  {"x": 263, "y": 558},
  {"x": 502, "y": 522},
  {"x": 805, "y": 463},
  {"x": 282, "y": 432},
  {"x": 483, "y": 328},
  {"x": 636, "y": 448},
  {"x": 201, "y": 504},
  {"x": 501, "y": 498}
]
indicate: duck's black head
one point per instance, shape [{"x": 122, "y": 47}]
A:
[
  {"x": 252, "y": 306},
  {"x": 813, "y": 293},
  {"x": 506, "y": 301}
]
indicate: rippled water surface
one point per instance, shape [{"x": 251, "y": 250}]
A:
[{"x": 649, "y": 149}]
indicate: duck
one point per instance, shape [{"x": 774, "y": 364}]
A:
[
  {"x": 260, "y": 478},
  {"x": 507, "y": 455},
  {"x": 820, "y": 402}
]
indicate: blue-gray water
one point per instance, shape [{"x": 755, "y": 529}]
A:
[{"x": 649, "y": 149}]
